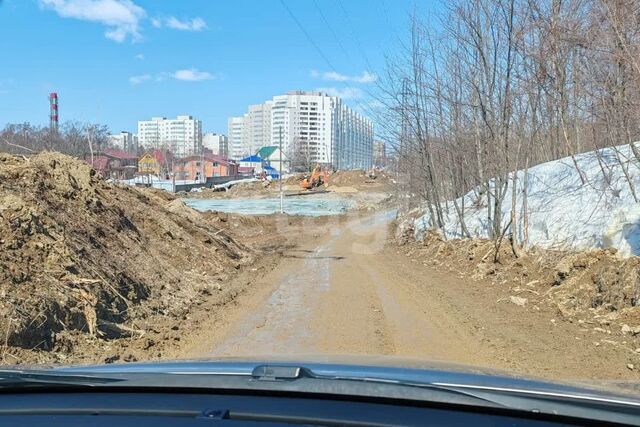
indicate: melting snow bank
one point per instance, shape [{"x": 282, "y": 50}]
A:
[
  {"x": 293, "y": 206},
  {"x": 156, "y": 182},
  {"x": 563, "y": 212},
  {"x": 228, "y": 184}
]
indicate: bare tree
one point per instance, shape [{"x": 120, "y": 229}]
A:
[{"x": 503, "y": 85}]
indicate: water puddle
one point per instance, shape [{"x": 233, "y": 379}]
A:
[
  {"x": 281, "y": 326},
  {"x": 293, "y": 206}
]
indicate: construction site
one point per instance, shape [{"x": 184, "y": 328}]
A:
[{"x": 98, "y": 272}]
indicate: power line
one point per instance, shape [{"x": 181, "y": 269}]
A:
[
  {"x": 308, "y": 36},
  {"x": 355, "y": 37},
  {"x": 324, "y": 57},
  {"x": 335, "y": 36}
]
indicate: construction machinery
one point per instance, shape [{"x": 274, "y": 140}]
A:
[{"x": 318, "y": 177}]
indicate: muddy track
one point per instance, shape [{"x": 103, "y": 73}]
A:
[{"x": 350, "y": 292}]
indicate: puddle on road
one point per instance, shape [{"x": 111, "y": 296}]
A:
[
  {"x": 281, "y": 326},
  {"x": 293, "y": 206}
]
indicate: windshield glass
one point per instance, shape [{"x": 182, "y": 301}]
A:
[{"x": 454, "y": 184}]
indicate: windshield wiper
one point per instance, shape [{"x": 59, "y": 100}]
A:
[{"x": 10, "y": 378}]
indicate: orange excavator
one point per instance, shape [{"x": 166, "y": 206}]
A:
[{"x": 318, "y": 177}]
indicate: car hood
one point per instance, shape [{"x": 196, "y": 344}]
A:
[{"x": 384, "y": 368}]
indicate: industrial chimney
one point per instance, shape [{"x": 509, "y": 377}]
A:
[{"x": 53, "y": 112}]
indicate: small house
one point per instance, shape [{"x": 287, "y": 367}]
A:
[
  {"x": 199, "y": 168},
  {"x": 272, "y": 156}
]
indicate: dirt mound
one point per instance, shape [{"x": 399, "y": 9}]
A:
[
  {"x": 242, "y": 189},
  {"x": 360, "y": 180},
  {"x": 294, "y": 179},
  {"x": 348, "y": 177},
  {"x": 255, "y": 188},
  {"x": 82, "y": 260},
  {"x": 592, "y": 286}
]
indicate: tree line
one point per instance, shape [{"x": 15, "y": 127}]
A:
[
  {"x": 72, "y": 138},
  {"x": 502, "y": 85}
]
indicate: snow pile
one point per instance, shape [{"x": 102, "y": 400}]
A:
[
  {"x": 156, "y": 182},
  {"x": 229, "y": 184},
  {"x": 563, "y": 212}
]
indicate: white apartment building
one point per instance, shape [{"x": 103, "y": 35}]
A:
[
  {"x": 305, "y": 119},
  {"x": 257, "y": 127},
  {"x": 235, "y": 127},
  {"x": 182, "y": 135},
  {"x": 217, "y": 143},
  {"x": 352, "y": 138},
  {"x": 252, "y": 130},
  {"x": 316, "y": 129},
  {"x": 124, "y": 140}
]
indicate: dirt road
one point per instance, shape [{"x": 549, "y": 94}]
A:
[{"x": 349, "y": 292}]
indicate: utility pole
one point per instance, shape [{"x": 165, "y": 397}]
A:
[
  {"x": 173, "y": 175},
  {"x": 202, "y": 169},
  {"x": 281, "y": 193}
]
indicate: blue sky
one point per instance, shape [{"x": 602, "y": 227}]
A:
[{"x": 119, "y": 61}]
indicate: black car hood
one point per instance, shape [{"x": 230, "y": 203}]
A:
[{"x": 383, "y": 368}]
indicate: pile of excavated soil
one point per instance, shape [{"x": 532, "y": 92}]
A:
[
  {"x": 341, "y": 182},
  {"x": 242, "y": 189},
  {"x": 359, "y": 180},
  {"x": 595, "y": 287},
  {"x": 348, "y": 177},
  {"x": 85, "y": 263},
  {"x": 295, "y": 179}
]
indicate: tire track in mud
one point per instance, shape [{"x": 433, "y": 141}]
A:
[
  {"x": 346, "y": 296},
  {"x": 280, "y": 325},
  {"x": 329, "y": 300}
]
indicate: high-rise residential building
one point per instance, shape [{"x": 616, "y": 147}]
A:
[
  {"x": 251, "y": 131},
  {"x": 216, "y": 143},
  {"x": 258, "y": 125},
  {"x": 126, "y": 141},
  {"x": 315, "y": 129},
  {"x": 182, "y": 135},
  {"x": 235, "y": 131},
  {"x": 352, "y": 138}
]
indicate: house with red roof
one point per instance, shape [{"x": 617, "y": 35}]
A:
[
  {"x": 114, "y": 163},
  {"x": 201, "y": 167}
]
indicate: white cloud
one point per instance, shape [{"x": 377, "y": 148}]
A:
[
  {"x": 365, "y": 77},
  {"x": 186, "y": 75},
  {"x": 195, "y": 24},
  {"x": 136, "y": 80},
  {"x": 346, "y": 93},
  {"x": 192, "y": 75},
  {"x": 121, "y": 17},
  {"x": 336, "y": 77}
]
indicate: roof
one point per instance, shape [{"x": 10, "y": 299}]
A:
[
  {"x": 159, "y": 156},
  {"x": 265, "y": 152},
  {"x": 119, "y": 154},
  {"x": 99, "y": 162},
  {"x": 208, "y": 157},
  {"x": 252, "y": 159}
]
